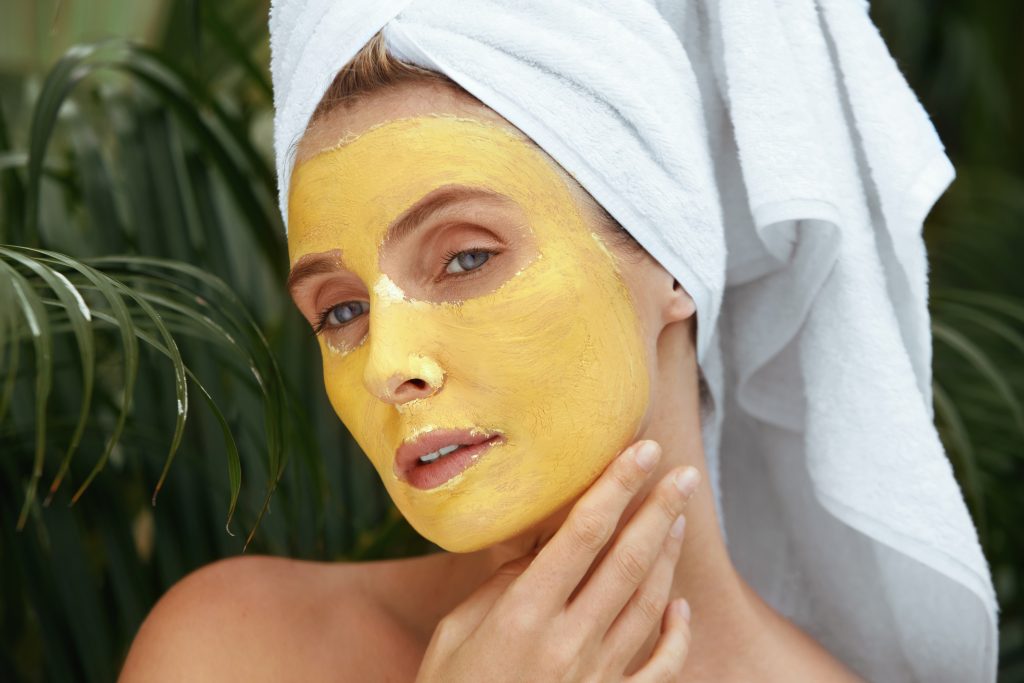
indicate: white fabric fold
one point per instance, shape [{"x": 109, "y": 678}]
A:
[{"x": 771, "y": 156}]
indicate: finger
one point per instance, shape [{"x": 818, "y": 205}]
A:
[
  {"x": 646, "y": 608},
  {"x": 670, "y": 652},
  {"x": 565, "y": 559},
  {"x": 634, "y": 552}
]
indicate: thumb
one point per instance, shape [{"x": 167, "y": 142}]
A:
[{"x": 473, "y": 609}]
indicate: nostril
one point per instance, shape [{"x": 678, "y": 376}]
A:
[
  {"x": 408, "y": 389},
  {"x": 412, "y": 389}
]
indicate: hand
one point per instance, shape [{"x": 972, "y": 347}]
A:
[{"x": 535, "y": 621}]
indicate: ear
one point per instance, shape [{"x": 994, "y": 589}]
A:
[{"x": 678, "y": 305}]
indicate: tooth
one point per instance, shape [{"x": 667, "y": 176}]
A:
[{"x": 445, "y": 450}]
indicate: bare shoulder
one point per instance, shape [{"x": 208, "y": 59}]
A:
[{"x": 264, "y": 618}]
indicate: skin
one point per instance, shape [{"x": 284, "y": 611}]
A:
[
  {"x": 452, "y": 615},
  {"x": 542, "y": 331}
]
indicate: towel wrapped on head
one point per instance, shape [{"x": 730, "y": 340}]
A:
[{"x": 769, "y": 154}]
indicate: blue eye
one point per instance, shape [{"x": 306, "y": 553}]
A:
[
  {"x": 343, "y": 313},
  {"x": 465, "y": 261},
  {"x": 348, "y": 311}
]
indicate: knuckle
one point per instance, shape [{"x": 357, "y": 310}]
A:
[
  {"x": 625, "y": 477},
  {"x": 563, "y": 661},
  {"x": 630, "y": 564},
  {"x": 684, "y": 641},
  {"x": 675, "y": 658},
  {"x": 679, "y": 655},
  {"x": 515, "y": 567},
  {"x": 521, "y": 621},
  {"x": 590, "y": 530},
  {"x": 651, "y": 607},
  {"x": 447, "y": 630},
  {"x": 670, "y": 503}
]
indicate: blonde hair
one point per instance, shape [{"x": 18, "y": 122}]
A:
[
  {"x": 371, "y": 69},
  {"x": 374, "y": 68}
]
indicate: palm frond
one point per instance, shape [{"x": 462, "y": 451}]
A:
[{"x": 154, "y": 302}]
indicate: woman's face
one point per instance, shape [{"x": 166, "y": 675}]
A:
[{"x": 478, "y": 339}]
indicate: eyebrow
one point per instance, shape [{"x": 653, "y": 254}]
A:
[
  {"x": 436, "y": 201},
  {"x": 419, "y": 213},
  {"x": 313, "y": 264}
]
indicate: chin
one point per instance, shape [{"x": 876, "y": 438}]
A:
[
  {"x": 482, "y": 539},
  {"x": 527, "y": 525}
]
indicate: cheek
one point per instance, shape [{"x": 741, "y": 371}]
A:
[
  {"x": 560, "y": 353},
  {"x": 360, "y": 411}
]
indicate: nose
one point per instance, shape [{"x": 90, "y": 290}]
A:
[
  {"x": 399, "y": 367},
  {"x": 398, "y": 380}
]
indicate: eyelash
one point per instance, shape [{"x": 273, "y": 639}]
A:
[
  {"x": 321, "y": 324},
  {"x": 452, "y": 255}
]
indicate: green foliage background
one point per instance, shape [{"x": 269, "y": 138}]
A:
[{"x": 143, "y": 317}]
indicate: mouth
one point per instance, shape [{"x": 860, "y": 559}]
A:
[{"x": 436, "y": 457}]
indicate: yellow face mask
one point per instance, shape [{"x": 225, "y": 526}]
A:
[{"x": 488, "y": 386}]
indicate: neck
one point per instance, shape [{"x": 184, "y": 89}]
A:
[{"x": 727, "y": 615}]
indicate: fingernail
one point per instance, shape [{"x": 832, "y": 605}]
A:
[
  {"x": 647, "y": 455},
  {"x": 678, "y": 526},
  {"x": 683, "y": 609},
  {"x": 687, "y": 480}
]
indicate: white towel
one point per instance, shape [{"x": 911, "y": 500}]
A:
[{"x": 771, "y": 156}]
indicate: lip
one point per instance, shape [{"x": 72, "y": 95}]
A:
[{"x": 431, "y": 475}]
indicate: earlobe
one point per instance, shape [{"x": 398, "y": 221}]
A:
[{"x": 680, "y": 305}]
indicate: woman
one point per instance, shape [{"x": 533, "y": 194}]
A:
[{"x": 493, "y": 340}]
